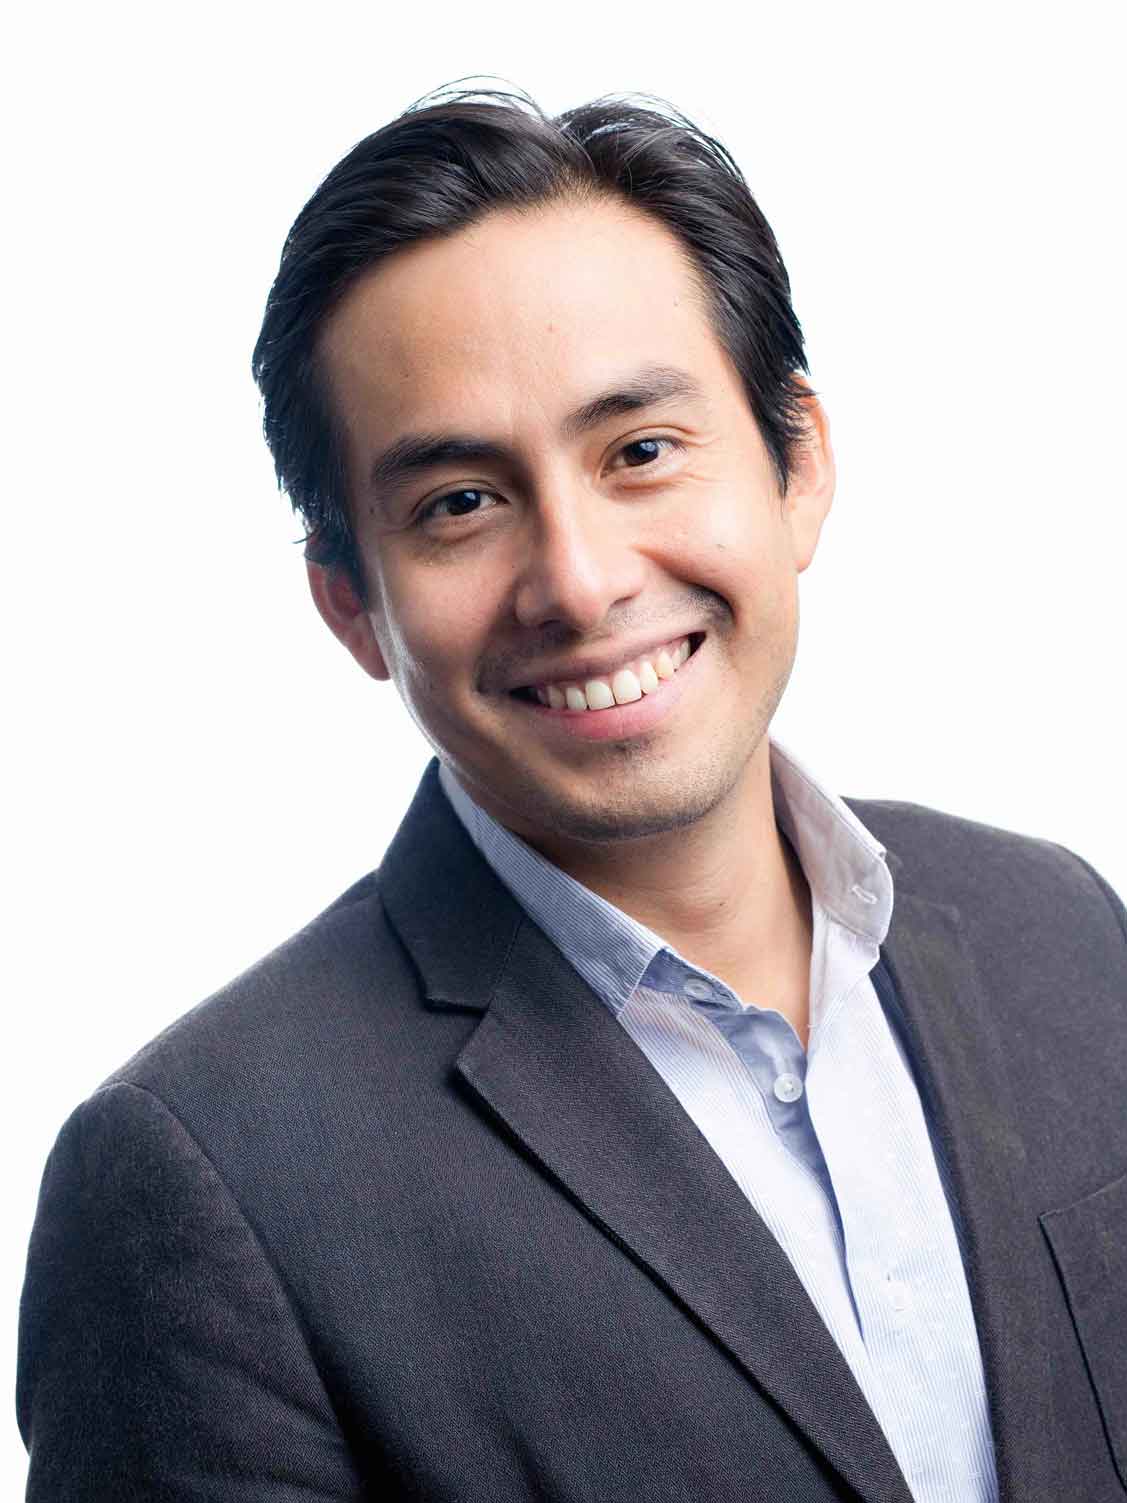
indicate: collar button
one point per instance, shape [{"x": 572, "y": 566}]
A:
[{"x": 698, "y": 988}]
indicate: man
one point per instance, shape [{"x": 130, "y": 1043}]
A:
[{"x": 654, "y": 1124}]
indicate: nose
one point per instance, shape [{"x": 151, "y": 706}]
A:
[{"x": 580, "y": 561}]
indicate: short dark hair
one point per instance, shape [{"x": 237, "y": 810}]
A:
[{"x": 447, "y": 161}]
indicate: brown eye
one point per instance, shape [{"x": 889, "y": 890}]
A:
[
  {"x": 642, "y": 451},
  {"x": 454, "y": 504},
  {"x": 459, "y": 503}
]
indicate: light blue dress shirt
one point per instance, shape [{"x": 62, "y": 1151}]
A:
[{"x": 830, "y": 1144}]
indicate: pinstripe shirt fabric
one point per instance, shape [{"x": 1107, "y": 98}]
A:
[{"x": 831, "y": 1145}]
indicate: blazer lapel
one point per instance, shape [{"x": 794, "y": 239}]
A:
[
  {"x": 550, "y": 1061},
  {"x": 949, "y": 1032}
]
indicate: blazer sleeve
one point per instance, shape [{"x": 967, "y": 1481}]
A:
[{"x": 159, "y": 1355}]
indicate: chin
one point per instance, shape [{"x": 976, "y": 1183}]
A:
[
  {"x": 635, "y": 805},
  {"x": 610, "y": 827}
]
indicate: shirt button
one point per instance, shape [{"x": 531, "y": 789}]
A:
[
  {"x": 788, "y": 1087},
  {"x": 899, "y": 1296},
  {"x": 698, "y": 988}
]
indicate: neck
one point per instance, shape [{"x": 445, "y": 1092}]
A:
[{"x": 728, "y": 893}]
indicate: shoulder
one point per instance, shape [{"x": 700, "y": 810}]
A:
[
  {"x": 302, "y": 1013},
  {"x": 289, "y": 1076},
  {"x": 989, "y": 872}
]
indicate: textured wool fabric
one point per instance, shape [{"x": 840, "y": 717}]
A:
[{"x": 404, "y": 1213}]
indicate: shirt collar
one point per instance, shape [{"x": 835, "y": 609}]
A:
[
  {"x": 608, "y": 948},
  {"x": 842, "y": 861}
]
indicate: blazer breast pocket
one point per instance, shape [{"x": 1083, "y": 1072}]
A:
[{"x": 1089, "y": 1244}]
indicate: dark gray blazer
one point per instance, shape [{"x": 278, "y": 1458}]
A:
[{"x": 404, "y": 1213}]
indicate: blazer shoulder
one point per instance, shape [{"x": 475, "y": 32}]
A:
[
  {"x": 986, "y": 869},
  {"x": 319, "y": 987}
]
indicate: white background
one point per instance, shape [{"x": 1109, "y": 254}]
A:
[{"x": 196, "y": 767}]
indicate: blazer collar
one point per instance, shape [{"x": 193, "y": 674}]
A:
[
  {"x": 550, "y": 1061},
  {"x": 456, "y": 918}
]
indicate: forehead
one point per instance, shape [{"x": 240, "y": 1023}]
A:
[{"x": 516, "y": 316}]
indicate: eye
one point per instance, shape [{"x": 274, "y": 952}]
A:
[
  {"x": 465, "y": 503},
  {"x": 641, "y": 452}
]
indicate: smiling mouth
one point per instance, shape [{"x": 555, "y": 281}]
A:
[{"x": 633, "y": 681}]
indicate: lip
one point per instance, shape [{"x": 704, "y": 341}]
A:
[
  {"x": 602, "y": 667},
  {"x": 620, "y": 722}
]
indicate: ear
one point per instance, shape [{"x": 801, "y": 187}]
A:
[
  {"x": 813, "y": 476},
  {"x": 346, "y": 616}
]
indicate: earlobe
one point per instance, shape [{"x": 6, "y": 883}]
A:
[{"x": 346, "y": 616}]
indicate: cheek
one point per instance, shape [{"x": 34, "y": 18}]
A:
[
  {"x": 734, "y": 547},
  {"x": 436, "y": 623}
]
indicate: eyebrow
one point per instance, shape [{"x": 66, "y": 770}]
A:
[{"x": 415, "y": 452}]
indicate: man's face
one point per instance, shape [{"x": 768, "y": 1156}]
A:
[{"x": 556, "y": 482}]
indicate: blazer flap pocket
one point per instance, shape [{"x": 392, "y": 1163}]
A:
[{"x": 1089, "y": 1244}]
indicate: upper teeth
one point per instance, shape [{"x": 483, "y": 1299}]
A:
[{"x": 627, "y": 684}]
